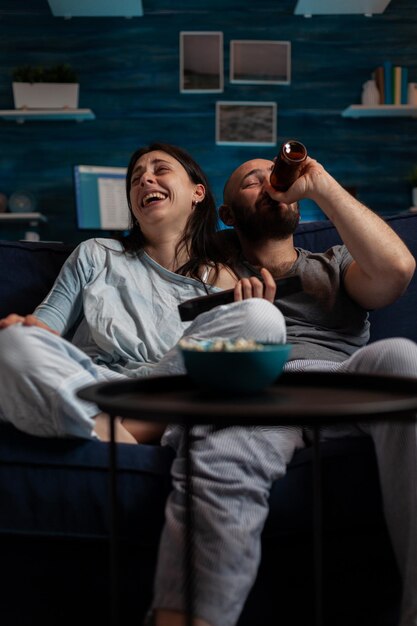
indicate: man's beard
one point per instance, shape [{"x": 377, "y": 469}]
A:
[{"x": 269, "y": 221}]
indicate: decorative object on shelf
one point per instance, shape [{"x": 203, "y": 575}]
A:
[
  {"x": 22, "y": 202},
  {"x": 3, "y": 203},
  {"x": 55, "y": 87},
  {"x": 31, "y": 235},
  {"x": 412, "y": 94},
  {"x": 370, "y": 93}
]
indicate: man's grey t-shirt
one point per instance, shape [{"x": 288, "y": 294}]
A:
[{"x": 323, "y": 322}]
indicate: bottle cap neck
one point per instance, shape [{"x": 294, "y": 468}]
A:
[{"x": 293, "y": 151}]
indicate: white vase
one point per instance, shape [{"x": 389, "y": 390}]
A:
[
  {"x": 412, "y": 94},
  {"x": 45, "y": 95},
  {"x": 370, "y": 93}
]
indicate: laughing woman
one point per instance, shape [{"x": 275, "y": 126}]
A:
[{"x": 121, "y": 297}]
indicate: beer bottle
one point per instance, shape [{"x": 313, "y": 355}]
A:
[{"x": 287, "y": 164}]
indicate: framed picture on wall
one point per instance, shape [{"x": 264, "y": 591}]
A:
[
  {"x": 246, "y": 123},
  {"x": 267, "y": 62},
  {"x": 201, "y": 62}
]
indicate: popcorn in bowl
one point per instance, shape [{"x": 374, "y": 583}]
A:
[
  {"x": 221, "y": 345},
  {"x": 240, "y": 365}
]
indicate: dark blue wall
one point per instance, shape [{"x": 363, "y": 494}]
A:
[{"x": 128, "y": 71}]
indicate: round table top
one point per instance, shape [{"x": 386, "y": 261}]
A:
[{"x": 307, "y": 399}]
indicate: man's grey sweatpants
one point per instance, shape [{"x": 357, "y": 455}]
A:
[{"x": 233, "y": 469}]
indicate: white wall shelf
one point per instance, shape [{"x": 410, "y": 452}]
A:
[
  {"x": 47, "y": 115},
  {"x": 340, "y": 7},
  {"x": 29, "y": 218},
  {"x": 380, "y": 110},
  {"x": 96, "y": 8}
]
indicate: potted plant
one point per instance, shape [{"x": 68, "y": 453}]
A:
[
  {"x": 412, "y": 178},
  {"x": 36, "y": 87}
]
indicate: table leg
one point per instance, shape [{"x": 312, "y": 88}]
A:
[
  {"x": 189, "y": 530},
  {"x": 317, "y": 528},
  {"x": 114, "y": 548}
]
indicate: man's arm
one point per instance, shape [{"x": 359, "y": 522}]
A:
[{"x": 382, "y": 266}]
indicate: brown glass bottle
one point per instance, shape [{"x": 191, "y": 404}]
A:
[{"x": 288, "y": 164}]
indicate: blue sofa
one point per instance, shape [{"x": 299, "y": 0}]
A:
[{"x": 54, "y": 502}]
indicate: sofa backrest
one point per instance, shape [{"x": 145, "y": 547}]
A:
[
  {"x": 398, "y": 319},
  {"x": 28, "y": 270}
]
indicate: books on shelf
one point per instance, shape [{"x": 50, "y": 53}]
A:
[
  {"x": 380, "y": 83},
  {"x": 392, "y": 83},
  {"x": 404, "y": 85},
  {"x": 396, "y": 84},
  {"x": 388, "y": 82}
]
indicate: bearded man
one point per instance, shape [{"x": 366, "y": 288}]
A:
[{"x": 327, "y": 325}]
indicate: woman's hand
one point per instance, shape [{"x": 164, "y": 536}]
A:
[
  {"x": 254, "y": 288},
  {"x": 25, "y": 320}
]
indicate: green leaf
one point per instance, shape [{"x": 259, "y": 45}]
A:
[{"x": 61, "y": 73}]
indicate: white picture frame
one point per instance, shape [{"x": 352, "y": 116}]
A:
[
  {"x": 201, "y": 62},
  {"x": 260, "y": 62},
  {"x": 246, "y": 123}
]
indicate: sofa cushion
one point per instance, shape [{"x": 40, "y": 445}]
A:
[
  {"x": 54, "y": 531},
  {"x": 60, "y": 487},
  {"x": 42, "y": 479}
]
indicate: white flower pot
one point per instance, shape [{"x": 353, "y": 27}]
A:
[{"x": 45, "y": 95}]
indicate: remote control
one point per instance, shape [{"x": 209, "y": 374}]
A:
[{"x": 191, "y": 308}]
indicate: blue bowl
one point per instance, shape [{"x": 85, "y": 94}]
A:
[{"x": 243, "y": 371}]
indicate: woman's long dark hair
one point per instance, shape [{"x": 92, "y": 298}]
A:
[{"x": 199, "y": 240}]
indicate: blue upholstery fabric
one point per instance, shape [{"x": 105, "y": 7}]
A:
[
  {"x": 74, "y": 475},
  {"x": 27, "y": 272}
]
